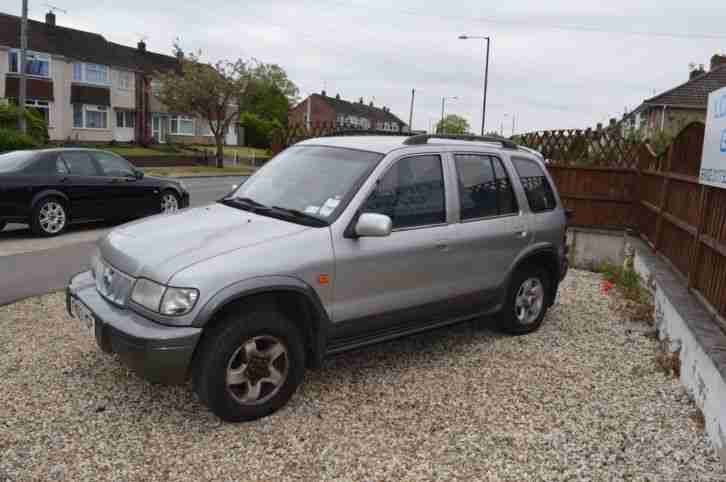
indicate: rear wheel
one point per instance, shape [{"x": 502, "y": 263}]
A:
[
  {"x": 249, "y": 365},
  {"x": 49, "y": 217},
  {"x": 527, "y": 303}
]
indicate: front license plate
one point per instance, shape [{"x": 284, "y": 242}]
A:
[{"x": 84, "y": 315}]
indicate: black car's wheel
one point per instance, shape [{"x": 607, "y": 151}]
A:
[
  {"x": 526, "y": 303},
  {"x": 169, "y": 202},
  {"x": 49, "y": 218},
  {"x": 249, "y": 365}
]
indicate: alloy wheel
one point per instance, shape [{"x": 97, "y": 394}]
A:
[
  {"x": 529, "y": 301},
  {"x": 257, "y": 370},
  {"x": 169, "y": 203},
  {"x": 52, "y": 217}
]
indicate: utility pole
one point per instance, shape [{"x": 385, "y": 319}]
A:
[
  {"x": 21, "y": 67},
  {"x": 410, "y": 114}
]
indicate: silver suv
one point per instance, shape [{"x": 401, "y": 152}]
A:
[{"x": 336, "y": 243}]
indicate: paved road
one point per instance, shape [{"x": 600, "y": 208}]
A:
[{"x": 31, "y": 266}]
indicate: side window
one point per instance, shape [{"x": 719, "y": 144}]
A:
[
  {"x": 538, "y": 190},
  {"x": 411, "y": 193},
  {"x": 112, "y": 165},
  {"x": 60, "y": 166},
  {"x": 484, "y": 187},
  {"x": 79, "y": 163}
]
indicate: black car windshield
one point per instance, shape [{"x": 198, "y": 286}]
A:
[
  {"x": 311, "y": 180},
  {"x": 15, "y": 161}
]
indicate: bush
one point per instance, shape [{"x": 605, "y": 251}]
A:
[
  {"x": 258, "y": 131},
  {"x": 14, "y": 140},
  {"x": 37, "y": 129}
]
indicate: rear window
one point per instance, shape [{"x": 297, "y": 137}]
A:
[
  {"x": 540, "y": 195},
  {"x": 15, "y": 161}
]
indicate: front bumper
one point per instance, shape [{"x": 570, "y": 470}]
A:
[{"x": 158, "y": 353}]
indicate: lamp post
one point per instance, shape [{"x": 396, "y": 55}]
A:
[
  {"x": 443, "y": 103},
  {"x": 486, "y": 76},
  {"x": 21, "y": 67}
]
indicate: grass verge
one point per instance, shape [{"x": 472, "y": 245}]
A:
[{"x": 187, "y": 171}]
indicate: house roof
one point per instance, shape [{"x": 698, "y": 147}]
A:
[
  {"x": 358, "y": 109},
  {"x": 80, "y": 45},
  {"x": 692, "y": 94}
]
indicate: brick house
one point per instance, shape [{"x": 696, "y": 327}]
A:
[
  {"x": 322, "y": 109},
  {"x": 675, "y": 108},
  {"x": 92, "y": 90}
]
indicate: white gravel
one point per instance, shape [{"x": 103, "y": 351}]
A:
[{"x": 580, "y": 399}]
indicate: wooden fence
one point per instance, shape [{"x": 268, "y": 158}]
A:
[{"x": 658, "y": 197}]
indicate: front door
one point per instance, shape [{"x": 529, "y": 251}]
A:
[
  {"x": 160, "y": 127},
  {"x": 384, "y": 283},
  {"x": 85, "y": 186},
  {"x": 127, "y": 196}
]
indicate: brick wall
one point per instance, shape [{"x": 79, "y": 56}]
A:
[{"x": 320, "y": 111}]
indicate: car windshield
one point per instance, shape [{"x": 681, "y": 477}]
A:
[
  {"x": 308, "y": 181},
  {"x": 15, "y": 161}
]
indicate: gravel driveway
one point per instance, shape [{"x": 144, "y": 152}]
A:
[{"x": 582, "y": 398}]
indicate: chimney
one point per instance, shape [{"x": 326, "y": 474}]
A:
[
  {"x": 50, "y": 18},
  {"x": 370, "y": 104},
  {"x": 717, "y": 61},
  {"x": 360, "y": 101},
  {"x": 323, "y": 93},
  {"x": 696, "y": 71},
  {"x": 141, "y": 46},
  {"x": 337, "y": 96}
]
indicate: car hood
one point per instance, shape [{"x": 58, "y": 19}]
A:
[{"x": 159, "y": 246}]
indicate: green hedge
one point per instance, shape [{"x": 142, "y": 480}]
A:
[
  {"x": 36, "y": 128},
  {"x": 13, "y": 140}
]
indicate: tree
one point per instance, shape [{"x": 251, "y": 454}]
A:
[
  {"x": 452, "y": 124},
  {"x": 211, "y": 91}
]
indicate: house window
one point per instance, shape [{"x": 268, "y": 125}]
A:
[
  {"x": 155, "y": 87},
  {"x": 42, "y": 107},
  {"x": 124, "y": 80},
  {"x": 90, "y": 116},
  {"x": 182, "y": 126},
  {"x": 125, "y": 119},
  {"x": 37, "y": 65},
  {"x": 90, "y": 73}
]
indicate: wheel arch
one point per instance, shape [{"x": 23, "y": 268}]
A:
[
  {"x": 292, "y": 297},
  {"x": 541, "y": 256},
  {"x": 49, "y": 193}
]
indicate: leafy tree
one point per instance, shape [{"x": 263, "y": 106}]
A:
[
  {"x": 37, "y": 128},
  {"x": 452, "y": 124},
  {"x": 258, "y": 131},
  {"x": 210, "y": 91}
]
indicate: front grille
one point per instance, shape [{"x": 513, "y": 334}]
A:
[{"x": 112, "y": 284}]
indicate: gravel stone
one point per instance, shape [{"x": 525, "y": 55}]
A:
[{"x": 580, "y": 399}]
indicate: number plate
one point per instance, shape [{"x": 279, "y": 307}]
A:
[{"x": 84, "y": 315}]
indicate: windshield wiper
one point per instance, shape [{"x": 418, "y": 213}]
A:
[
  {"x": 316, "y": 221},
  {"x": 245, "y": 203}
]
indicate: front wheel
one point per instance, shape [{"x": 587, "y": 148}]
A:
[
  {"x": 169, "y": 202},
  {"x": 527, "y": 303},
  {"x": 249, "y": 366}
]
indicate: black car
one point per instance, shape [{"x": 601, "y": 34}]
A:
[{"x": 50, "y": 188}]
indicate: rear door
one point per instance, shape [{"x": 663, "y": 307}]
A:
[
  {"x": 492, "y": 229},
  {"x": 85, "y": 186}
]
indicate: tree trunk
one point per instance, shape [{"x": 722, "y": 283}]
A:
[{"x": 220, "y": 151}]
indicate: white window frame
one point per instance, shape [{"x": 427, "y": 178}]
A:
[
  {"x": 125, "y": 114},
  {"x": 93, "y": 108},
  {"x": 40, "y": 105},
  {"x": 28, "y": 56},
  {"x": 125, "y": 80},
  {"x": 175, "y": 119},
  {"x": 84, "y": 67}
]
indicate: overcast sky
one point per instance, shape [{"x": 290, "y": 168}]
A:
[{"x": 554, "y": 64}]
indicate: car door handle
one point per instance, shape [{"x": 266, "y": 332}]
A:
[
  {"x": 521, "y": 234},
  {"x": 442, "y": 246}
]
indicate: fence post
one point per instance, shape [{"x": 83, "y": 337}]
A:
[
  {"x": 696, "y": 251},
  {"x": 663, "y": 198}
]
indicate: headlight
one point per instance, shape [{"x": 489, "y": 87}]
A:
[
  {"x": 148, "y": 294},
  {"x": 178, "y": 301}
]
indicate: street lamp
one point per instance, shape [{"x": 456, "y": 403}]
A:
[
  {"x": 486, "y": 76},
  {"x": 443, "y": 102}
]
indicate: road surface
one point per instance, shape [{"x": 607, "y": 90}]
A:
[{"x": 31, "y": 266}]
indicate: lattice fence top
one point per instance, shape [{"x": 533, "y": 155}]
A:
[{"x": 606, "y": 147}]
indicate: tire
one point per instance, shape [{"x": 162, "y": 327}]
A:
[
  {"x": 527, "y": 302},
  {"x": 49, "y": 217},
  {"x": 169, "y": 201},
  {"x": 225, "y": 351}
]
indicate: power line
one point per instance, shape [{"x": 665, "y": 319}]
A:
[{"x": 540, "y": 24}]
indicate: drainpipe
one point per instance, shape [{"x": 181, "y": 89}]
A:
[
  {"x": 307, "y": 123},
  {"x": 662, "y": 119}
]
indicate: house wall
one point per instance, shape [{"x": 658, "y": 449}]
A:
[
  {"x": 320, "y": 112},
  {"x": 675, "y": 118}
]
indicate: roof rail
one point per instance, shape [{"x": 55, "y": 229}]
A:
[{"x": 424, "y": 138}]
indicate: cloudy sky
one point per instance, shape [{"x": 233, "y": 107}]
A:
[{"x": 554, "y": 64}]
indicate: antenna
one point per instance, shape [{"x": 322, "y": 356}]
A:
[{"x": 54, "y": 9}]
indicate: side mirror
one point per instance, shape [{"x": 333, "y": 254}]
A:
[
  {"x": 373, "y": 225},
  {"x": 139, "y": 174}
]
